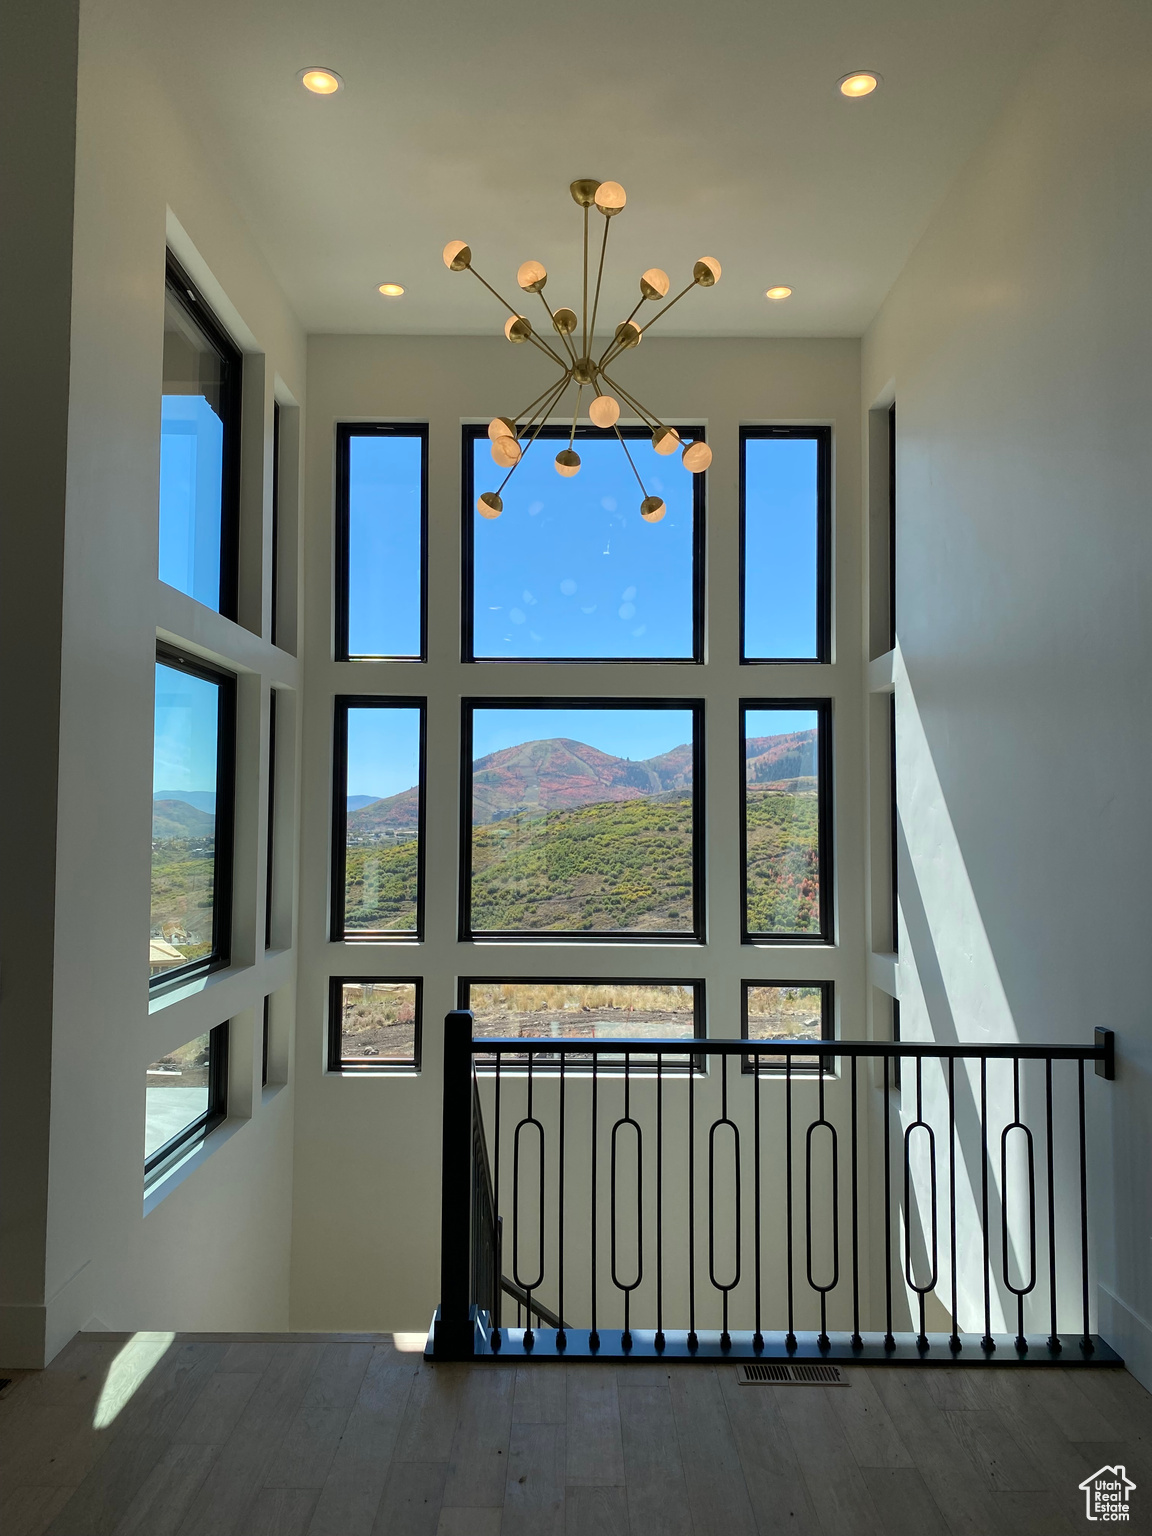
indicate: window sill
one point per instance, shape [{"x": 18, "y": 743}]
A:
[{"x": 164, "y": 1181}]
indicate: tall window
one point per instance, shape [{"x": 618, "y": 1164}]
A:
[
  {"x": 582, "y": 818},
  {"x": 199, "y": 449},
  {"x": 377, "y": 886},
  {"x": 381, "y": 530},
  {"x": 785, "y": 521},
  {"x": 569, "y": 571},
  {"x": 185, "y": 1097},
  {"x": 192, "y": 787},
  {"x": 786, "y": 831}
]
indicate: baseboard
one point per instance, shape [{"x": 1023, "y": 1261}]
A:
[{"x": 1128, "y": 1333}]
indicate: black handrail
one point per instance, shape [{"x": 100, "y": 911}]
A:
[{"x": 469, "y": 1326}]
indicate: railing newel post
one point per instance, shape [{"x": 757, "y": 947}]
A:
[{"x": 454, "y": 1335}]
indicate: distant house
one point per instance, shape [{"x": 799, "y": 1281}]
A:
[
  {"x": 162, "y": 956},
  {"x": 1106, "y": 1494}
]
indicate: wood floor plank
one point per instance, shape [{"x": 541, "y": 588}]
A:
[
  {"x": 412, "y": 1499},
  {"x": 249, "y": 1356},
  {"x": 29, "y": 1511},
  {"x": 657, "y": 1497},
  {"x": 867, "y": 1425},
  {"x": 596, "y": 1512},
  {"x": 1011, "y": 1393},
  {"x": 541, "y": 1395},
  {"x": 534, "y": 1491},
  {"x": 478, "y": 1521},
  {"x": 478, "y": 1462},
  {"x": 960, "y": 1492},
  {"x": 163, "y": 1498},
  {"x": 1073, "y": 1412},
  {"x": 228, "y": 1493},
  {"x": 305, "y": 1456},
  {"x": 355, "y": 1484},
  {"x": 994, "y": 1451},
  {"x": 213, "y": 1416},
  {"x": 1041, "y": 1514},
  {"x": 903, "y": 1503},
  {"x": 595, "y": 1455},
  {"x": 713, "y": 1475},
  {"x": 429, "y": 1425},
  {"x": 835, "y": 1483},
  {"x": 772, "y": 1475},
  {"x": 280, "y": 1512}
]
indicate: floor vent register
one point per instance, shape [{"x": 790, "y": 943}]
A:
[{"x": 764, "y": 1373}]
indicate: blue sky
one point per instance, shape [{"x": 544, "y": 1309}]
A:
[
  {"x": 778, "y": 722},
  {"x": 191, "y": 475},
  {"x": 780, "y": 548},
  {"x": 383, "y": 751},
  {"x": 570, "y": 568},
  {"x": 384, "y": 546},
  {"x": 634, "y": 733},
  {"x": 184, "y": 750}
]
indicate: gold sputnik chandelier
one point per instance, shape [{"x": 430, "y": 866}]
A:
[{"x": 512, "y": 436}]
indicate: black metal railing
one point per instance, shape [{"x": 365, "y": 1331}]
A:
[{"x": 735, "y": 1221}]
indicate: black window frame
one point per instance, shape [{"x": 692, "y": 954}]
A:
[
  {"x": 270, "y": 848},
  {"x": 892, "y": 526},
  {"x": 264, "y": 1034},
  {"x": 698, "y": 1062},
  {"x": 824, "y": 823},
  {"x": 274, "y": 572},
  {"x": 337, "y": 931},
  {"x": 471, "y": 433},
  {"x": 822, "y": 437},
  {"x": 345, "y": 432},
  {"x": 184, "y": 292},
  {"x": 223, "y": 856},
  {"x": 698, "y": 932},
  {"x": 827, "y": 1019},
  {"x": 217, "y": 1111},
  {"x": 336, "y": 1060}
]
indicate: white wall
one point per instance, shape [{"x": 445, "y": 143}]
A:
[
  {"x": 1017, "y": 340},
  {"x": 367, "y": 1183},
  {"x": 78, "y": 1247}
]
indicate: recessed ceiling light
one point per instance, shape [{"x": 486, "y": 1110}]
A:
[
  {"x": 321, "y": 82},
  {"x": 861, "y": 82},
  {"x": 778, "y": 293},
  {"x": 391, "y": 290}
]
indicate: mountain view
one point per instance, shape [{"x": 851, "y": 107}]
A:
[
  {"x": 568, "y": 838},
  {"x": 183, "y": 863}
]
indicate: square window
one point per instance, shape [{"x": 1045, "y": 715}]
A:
[
  {"x": 787, "y": 866},
  {"x": 192, "y": 787},
  {"x": 373, "y": 1022},
  {"x": 377, "y": 876},
  {"x": 785, "y": 521},
  {"x": 570, "y": 570},
  {"x": 185, "y": 1097},
  {"x": 787, "y": 1010},
  {"x": 572, "y": 1009},
  {"x": 583, "y": 819},
  {"x": 381, "y": 536},
  {"x": 199, "y": 449}
]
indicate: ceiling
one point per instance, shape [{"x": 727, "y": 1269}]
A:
[{"x": 722, "y": 121}]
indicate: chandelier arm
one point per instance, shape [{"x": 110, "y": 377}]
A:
[
  {"x": 645, "y": 415},
  {"x": 635, "y": 471},
  {"x": 575, "y": 415},
  {"x": 532, "y": 336},
  {"x": 668, "y": 306},
  {"x": 584, "y": 310},
  {"x": 564, "y": 337},
  {"x": 531, "y": 406},
  {"x": 614, "y": 343},
  {"x": 553, "y": 400},
  {"x": 596, "y": 301}
]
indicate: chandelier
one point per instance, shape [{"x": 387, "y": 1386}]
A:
[{"x": 513, "y": 436}]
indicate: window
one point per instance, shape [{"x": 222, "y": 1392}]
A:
[
  {"x": 582, "y": 819},
  {"x": 264, "y": 1042},
  {"x": 377, "y": 876},
  {"x": 373, "y": 1023},
  {"x": 199, "y": 450},
  {"x": 568, "y": 1009},
  {"x": 786, "y": 834},
  {"x": 792, "y": 1010},
  {"x": 381, "y": 523},
  {"x": 185, "y": 1097},
  {"x": 570, "y": 571},
  {"x": 269, "y": 885},
  {"x": 192, "y": 778},
  {"x": 785, "y": 518}
]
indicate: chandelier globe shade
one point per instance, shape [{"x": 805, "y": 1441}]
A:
[{"x": 582, "y": 359}]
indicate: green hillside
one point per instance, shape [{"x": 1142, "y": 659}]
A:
[
  {"x": 182, "y": 894},
  {"x": 783, "y": 860},
  {"x": 380, "y": 887}
]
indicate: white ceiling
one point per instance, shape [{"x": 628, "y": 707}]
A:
[{"x": 722, "y": 120}]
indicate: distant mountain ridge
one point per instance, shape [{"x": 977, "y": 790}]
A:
[
  {"x": 562, "y": 774},
  {"x": 176, "y": 818},
  {"x": 202, "y": 799}
]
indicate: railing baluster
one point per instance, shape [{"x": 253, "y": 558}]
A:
[
  {"x": 594, "y": 1335},
  {"x": 725, "y": 1336},
  {"x": 1086, "y": 1340},
  {"x": 889, "y": 1338},
  {"x": 561, "y": 1337},
  {"x": 831, "y": 1286},
  {"x": 660, "y": 1199},
  {"x": 918, "y": 1124},
  {"x": 692, "y": 1337},
  {"x": 987, "y": 1343},
  {"x": 857, "y": 1341},
  {"x": 496, "y": 1187},
  {"x": 955, "y": 1340},
  {"x": 758, "y": 1337},
  {"x": 1054, "y": 1336},
  {"x": 791, "y": 1336},
  {"x": 626, "y": 1119}
]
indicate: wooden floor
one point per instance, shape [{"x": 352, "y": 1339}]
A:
[{"x": 355, "y": 1436}]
